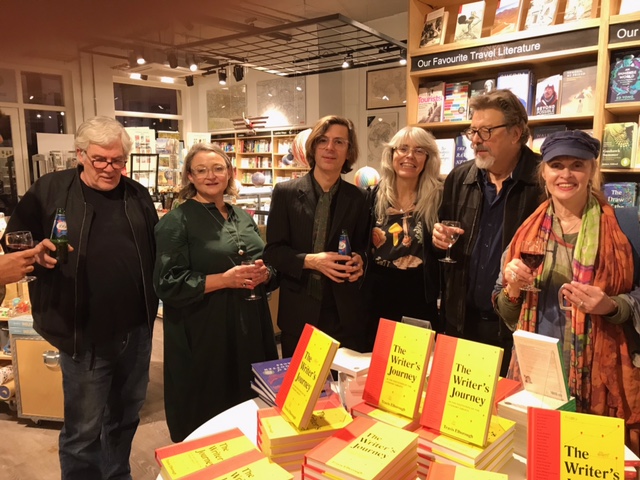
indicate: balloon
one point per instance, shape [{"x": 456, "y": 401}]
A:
[{"x": 366, "y": 177}]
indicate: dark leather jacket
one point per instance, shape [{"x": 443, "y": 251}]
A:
[
  {"x": 57, "y": 294},
  {"x": 462, "y": 200}
]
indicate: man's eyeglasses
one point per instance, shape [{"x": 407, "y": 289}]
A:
[
  {"x": 338, "y": 143},
  {"x": 418, "y": 152},
  {"x": 483, "y": 132},
  {"x": 97, "y": 161},
  {"x": 201, "y": 172}
]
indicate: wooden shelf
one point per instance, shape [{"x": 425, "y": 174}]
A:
[
  {"x": 5, "y": 357},
  {"x": 623, "y": 108}
]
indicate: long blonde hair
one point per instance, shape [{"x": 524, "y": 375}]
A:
[{"x": 429, "y": 194}]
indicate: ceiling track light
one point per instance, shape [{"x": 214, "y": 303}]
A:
[
  {"x": 403, "y": 56},
  {"x": 191, "y": 62},
  {"x": 172, "y": 59},
  {"x": 140, "y": 60},
  {"x": 348, "y": 61},
  {"x": 189, "y": 80},
  {"x": 222, "y": 76},
  {"x": 238, "y": 72}
]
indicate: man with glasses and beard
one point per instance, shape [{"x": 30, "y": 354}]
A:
[
  {"x": 317, "y": 284},
  {"x": 99, "y": 307},
  {"x": 490, "y": 196}
]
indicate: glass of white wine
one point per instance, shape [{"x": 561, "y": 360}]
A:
[
  {"x": 17, "y": 241},
  {"x": 252, "y": 296},
  {"x": 451, "y": 232}
]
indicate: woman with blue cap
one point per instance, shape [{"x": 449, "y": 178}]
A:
[{"x": 585, "y": 282}]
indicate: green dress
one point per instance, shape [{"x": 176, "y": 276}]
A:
[{"x": 210, "y": 340}]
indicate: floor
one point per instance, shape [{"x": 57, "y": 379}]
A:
[{"x": 29, "y": 451}]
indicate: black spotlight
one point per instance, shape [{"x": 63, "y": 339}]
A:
[
  {"x": 222, "y": 76},
  {"x": 189, "y": 80},
  {"x": 172, "y": 58},
  {"x": 238, "y": 72}
]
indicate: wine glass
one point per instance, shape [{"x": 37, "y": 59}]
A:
[
  {"x": 452, "y": 235},
  {"x": 17, "y": 241},
  {"x": 252, "y": 295},
  {"x": 532, "y": 254}
]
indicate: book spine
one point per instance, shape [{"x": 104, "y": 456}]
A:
[
  {"x": 379, "y": 362},
  {"x": 439, "y": 382},
  {"x": 543, "y": 444},
  {"x": 296, "y": 361},
  {"x": 183, "y": 447}
]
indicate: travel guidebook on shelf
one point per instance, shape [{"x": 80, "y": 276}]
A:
[
  {"x": 577, "y": 10},
  {"x": 520, "y": 82},
  {"x": 621, "y": 194},
  {"x": 398, "y": 367},
  {"x": 306, "y": 376},
  {"x": 538, "y": 134},
  {"x": 624, "y": 81},
  {"x": 548, "y": 95},
  {"x": 469, "y": 22},
  {"x": 430, "y": 102},
  {"x": 507, "y": 17},
  {"x": 574, "y": 446},
  {"x": 190, "y": 456},
  {"x": 461, "y": 388},
  {"x": 435, "y": 25},
  {"x": 578, "y": 90},
  {"x": 366, "y": 449},
  {"x": 541, "y": 13},
  {"x": 619, "y": 145}
]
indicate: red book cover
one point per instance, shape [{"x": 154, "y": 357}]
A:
[
  {"x": 249, "y": 465},
  {"x": 505, "y": 388}
]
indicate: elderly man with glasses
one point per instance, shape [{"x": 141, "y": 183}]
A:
[
  {"x": 98, "y": 308},
  {"x": 490, "y": 196}
]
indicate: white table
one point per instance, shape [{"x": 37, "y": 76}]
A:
[{"x": 244, "y": 417}]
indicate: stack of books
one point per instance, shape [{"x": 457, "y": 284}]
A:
[
  {"x": 365, "y": 449},
  {"x": 545, "y": 385},
  {"x": 268, "y": 377},
  {"x": 286, "y": 445},
  {"x": 457, "y": 425},
  {"x": 433, "y": 447},
  {"x": 228, "y": 454},
  {"x": 394, "y": 388},
  {"x": 440, "y": 471}
]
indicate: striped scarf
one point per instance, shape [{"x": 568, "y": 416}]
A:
[{"x": 601, "y": 374}]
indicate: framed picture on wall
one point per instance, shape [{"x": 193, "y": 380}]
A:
[
  {"x": 380, "y": 129},
  {"x": 387, "y": 88}
]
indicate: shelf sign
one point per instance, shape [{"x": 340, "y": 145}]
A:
[
  {"x": 624, "y": 32},
  {"x": 502, "y": 51}
]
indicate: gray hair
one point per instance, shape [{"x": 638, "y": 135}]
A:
[
  {"x": 515, "y": 115},
  {"x": 188, "y": 189},
  {"x": 102, "y": 131}
]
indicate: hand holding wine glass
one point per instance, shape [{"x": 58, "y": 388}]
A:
[
  {"x": 17, "y": 242},
  {"x": 532, "y": 255},
  {"x": 252, "y": 295},
  {"x": 452, "y": 233}
]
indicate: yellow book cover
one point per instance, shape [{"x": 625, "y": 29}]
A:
[
  {"x": 185, "y": 458},
  {"x": 574, "y": 446},
  {"x": 461, "y": 389},
  {"x": 440, "y": 471},
  {"x": 365, "y": 449},
  {"x": 249, "y": 465},
  {"x": 276, "y": 429},
  {"x": 398, "y": 367},
  {"x": 306, "y": 375},
  {"x": 363, "y": 409}
]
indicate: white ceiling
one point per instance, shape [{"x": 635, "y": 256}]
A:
[{"x": 59, "y": 30}]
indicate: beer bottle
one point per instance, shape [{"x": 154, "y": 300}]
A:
[
  {"x": 344, "y": 247},
  {"x": 59, "y": 237}
]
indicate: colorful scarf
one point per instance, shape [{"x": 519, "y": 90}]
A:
[{"x": 601, "y": 374}]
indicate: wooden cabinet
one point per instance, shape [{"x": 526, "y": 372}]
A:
[
  {"x": 546, "y": 51},
  {"x": 38, "y": 378},
  {"x": 267, "y": 152}
]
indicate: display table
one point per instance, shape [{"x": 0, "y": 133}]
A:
[{"x": 244, "y": 417}]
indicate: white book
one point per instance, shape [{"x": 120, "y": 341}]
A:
[
  {"x": 629, "y": 6},
  {"x": 447, "y": 147},
  {"x": 541, "y": 13},
  {"x": 577, "y": 10},
  {"x": 469, "y": 22}
]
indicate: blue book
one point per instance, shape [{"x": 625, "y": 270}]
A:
[
  {"x": 270, "y": 374},
  {"x": 621, "y": 194},
  {"x": 463, "y": 152}
]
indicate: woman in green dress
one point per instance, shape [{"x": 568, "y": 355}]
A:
[{"x": 212, "y": 333}]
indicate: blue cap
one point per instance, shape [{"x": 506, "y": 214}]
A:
[{"x": 570, "y": 143}]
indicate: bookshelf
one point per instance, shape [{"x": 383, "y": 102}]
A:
[
  {"x": 546, "y": 51},
  {"x": 266, "y": 152}
]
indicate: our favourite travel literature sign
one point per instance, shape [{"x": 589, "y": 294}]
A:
[
  {"x": 495, "y": 52},
  {"x": 461, "y": 388}
]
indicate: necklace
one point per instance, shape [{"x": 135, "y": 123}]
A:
[{"x": 236, "y": 240}]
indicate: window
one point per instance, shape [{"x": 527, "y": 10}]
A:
[
  {"x": 136, "y": 98},
  {"x": 42, "y": 89}
]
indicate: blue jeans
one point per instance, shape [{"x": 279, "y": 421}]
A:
[{"x": 104, "y": 389}]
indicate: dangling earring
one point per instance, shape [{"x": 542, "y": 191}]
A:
[
  {"x": 546, "y": 191},
  {"x": 590, "y": 187}
]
